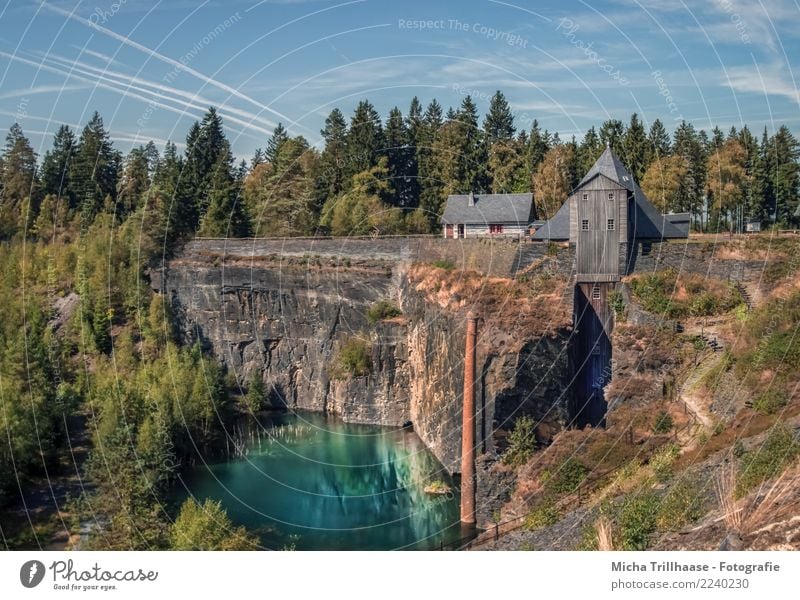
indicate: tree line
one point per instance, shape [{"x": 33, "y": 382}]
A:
[{"x": 392, "y": 176}]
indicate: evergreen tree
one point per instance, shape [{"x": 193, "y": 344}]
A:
[
  {"x": 688, "y": 144},
  {"x": 364, "y": 141},
  {"x": 785, "y": 175},
  {"x": 401, "y": 159},
  {"x": 635, "y": 153},
  {"x": 472, "y": 151},
  {"x": 612, "y": 132},
  {"x": 19, "y": 202},
  {"x": 589, "y": 151},
  {"x": 330, "y": 179},
  {"x": 499, "y": 121},
  {"x": 226, "y": 216},
  {"x": 279, "y": 136},
  {"x": 430, "y": 182},
  {"x": 95, "y": 169},
  {"x": 658, "y": 141},
  {"x": 538, "y": 145},
  {"x": 56, "y": 166},
  {"x": 134, "y": 182}
]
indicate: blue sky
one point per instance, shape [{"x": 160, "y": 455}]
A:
[{"x": 151, "y": 67}]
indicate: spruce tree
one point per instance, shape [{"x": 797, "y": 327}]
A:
[
  {"x": 279, "y": 136},
  {"x": 19, "y": 202},
  {"x": 364, "y": 141},
  {"x": 658, "y": 141},
  {"x": 56, "y": 166},
  {"x": 589, "y": 151},
  {"x": 634, "y": 148},
  {"x": 499, "y": 121},
  {"x": 612, "y": 132},
  {"x": 95, "y": 169},
  {"x": 226, "y": 216},
  {"x": 401, "y": 159}
]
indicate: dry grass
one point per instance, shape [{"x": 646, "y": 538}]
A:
[
  {"x": 604, "y": 540},
  {"x": 767, "y": 505},
  {"x": 725, "y": 487}
]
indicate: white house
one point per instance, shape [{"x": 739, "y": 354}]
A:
[{"x": 487, "y": 215}]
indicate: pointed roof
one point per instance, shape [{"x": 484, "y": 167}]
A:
[{"x": 647, "y": 220}]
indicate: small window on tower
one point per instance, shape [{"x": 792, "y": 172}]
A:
[
  {"x": 611, "y": 196},
  {"x": 585, "y": 225},
  {"x": 611, "y": 224},
  {"x": 586, "y": 196},
  {"x": 596, "y": 293}
]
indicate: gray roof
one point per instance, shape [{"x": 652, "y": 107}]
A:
[
  {"x": 489, "y": 208},
  {"x": 647, "y": 222},
  {"x": 556, "y": 228}
]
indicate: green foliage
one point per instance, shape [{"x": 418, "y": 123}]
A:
[
  {"x": 617, "y": 303},
  {"x": 352, "y": 360},
  {"x": 382, "y": 310},
  {"x": 683, "y": 504},
  {"x": 447, "y": 265},
  {"x": 567, "y": 477},
  {"x": 659, "y": 293},
  {"x": 207, "y": 527},
  {"x": 638, "y": 519},
  {"x": 662, "y": 423},
  {"x": 767, "y": 460},
  {"x": 772, "y": 399},
  {"x": 521, "y": 442},
  {"x": 256, "y": 396},
  {"x": 662, "y": 461},
  {"x": 542, "y": 516}
]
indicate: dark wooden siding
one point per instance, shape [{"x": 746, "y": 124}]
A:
[
  {"x": 594, "y": 322},
  {"x": 598, "y": 202}
]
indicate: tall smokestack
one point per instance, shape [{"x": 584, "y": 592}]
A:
[{"x": 468, "y": 425}]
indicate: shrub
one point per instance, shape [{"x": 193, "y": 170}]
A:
[
  {"x": 663, "y": 422},
  {"x": 552, "y": 249},
  {"x": 542, "y": 516},
  {"x": 771, "y": 400},
  {"x": 382, "y": 310},
  {"x": 207, "y": 527},
  {"x": 256, "y": 395},
  {"x": 617, "y": 304},
  {"x": 768, "y": 460},
  {"x": 447, "y": 265},
  {"x": 683, "y": 504},
  {"x": 662, "y": 461},
  {"x": 568, "y": 477},
  {"x": 353, "y": 359},
  {"x": 521, "y": 442},
  {"x": 638, "y": 516}
]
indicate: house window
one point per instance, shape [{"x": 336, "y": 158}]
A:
[
  {"x": 611, "y": 224},
  {"x": 585, "y": 225},
  {"x": 611, "y": 196},
  {"x": 596, "y": 292},
  {"x": 495, "y": 229}
]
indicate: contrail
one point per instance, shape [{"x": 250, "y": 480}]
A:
[
  {"x": 124, "y": 91},
  {"x": 123, "y": 79},
  {"x": 170, "y": 61}
]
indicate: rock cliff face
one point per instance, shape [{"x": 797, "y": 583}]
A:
[{"x": 284, "y": 318}]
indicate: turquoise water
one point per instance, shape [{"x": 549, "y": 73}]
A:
[{"x": 315, "y": 483}]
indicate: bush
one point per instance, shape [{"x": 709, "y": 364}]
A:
[
  {"x": 521, "y": 442},
  {"x": 683, "y": 504},
  {"x": 617, "y": 304},
  {"x": 447, "y": 265},
  {"x": 207, "y": 527},
  {"x": 542, "y": 516},
  {"x": 771, "y": 400},
  {"x": 256, "y": 395},
  {"x": 638, "y": 520},
  {"x": 662, "y": 423},
  {"x": 353, "y": 359},
  {"x": 662, "y": 461},
  {"x": 768, "y": 460},
  {"x": 382, "y": 310},
  {"x": 568, "y": 477}
]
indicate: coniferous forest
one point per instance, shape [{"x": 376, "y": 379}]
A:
[{"x": 86, "y": 343}]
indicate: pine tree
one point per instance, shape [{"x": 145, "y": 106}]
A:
[
  {"x": 226, "y": 216},
  {"x": 56, "y": 166},
  {"x": 688, "y": 144},
  {"x": 499, "y": 121},
  {"x": 538, "y": 145},
  {"x": 430, "y": 182},
  {"x": 364, "y": 141},
  {"x": 95, "y": 169},
  {"x": 635, "y": 153},
  {"x": 589, "y": 151},
  {"x": 658, "y": 141},
  {"x": 279, "y": 136},
  {"x": 19, "y": 203},
  {"x": 401, "y": 159},
  {"x": 330, "y": 179},
  {"x": 611, "y": 134},
  {"x": 134, "y": 182},
  {"x": 785, "y": 174},
  {"x": 471, "y": 149}
]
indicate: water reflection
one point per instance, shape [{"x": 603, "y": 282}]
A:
[{"x": 317, "y": 483}]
